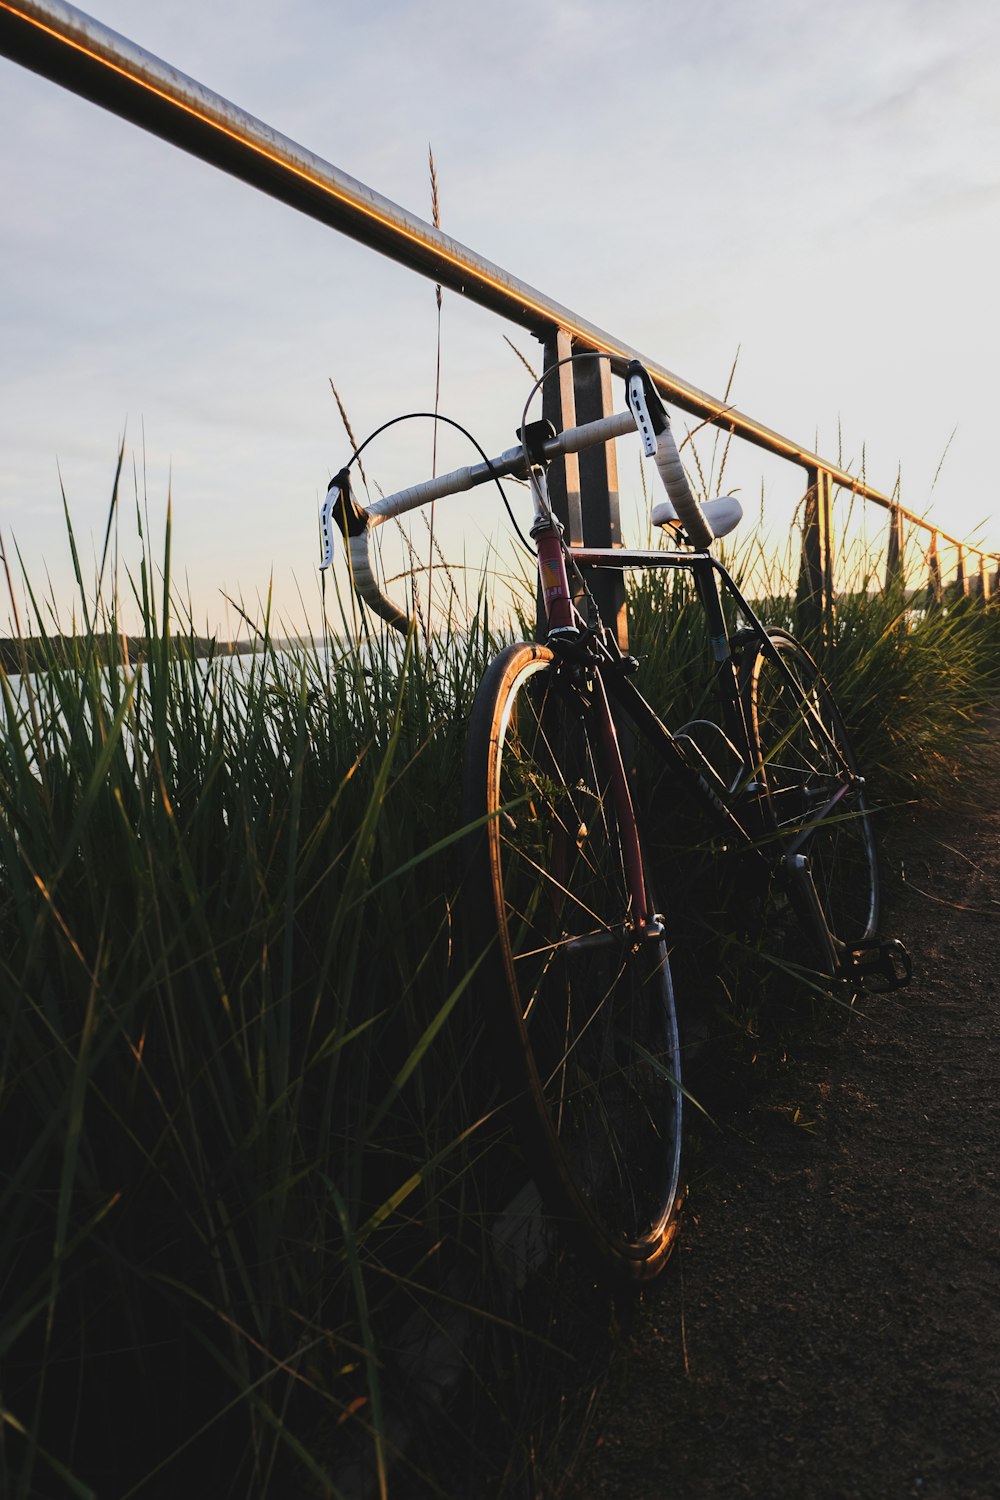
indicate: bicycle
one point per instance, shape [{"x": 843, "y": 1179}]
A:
[{"x": 558, "y": 881}]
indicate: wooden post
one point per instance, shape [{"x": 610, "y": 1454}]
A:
[
  {"x": 599, "y": 491},
  {"x": 563, "y": 473},
  {"x": 895, "y": 568},
  {"x": 934, "y": 587},
  {"x": 977, "y": 582},
  {"x": 814, "y": 605},
  {"x": 559, "y": 407},
  {"x": 961, "y": 576}
]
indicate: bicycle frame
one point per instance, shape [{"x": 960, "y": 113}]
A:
[
  {"x": 569, "y": 637},
  {"x": 743, "y": 813}
]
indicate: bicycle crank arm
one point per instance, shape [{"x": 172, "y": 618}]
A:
[
  {"x": 804, "y": 897},
  {"x": 882, "y": 960}
]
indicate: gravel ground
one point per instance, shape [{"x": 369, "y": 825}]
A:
[{"x": 830, "y": 1323}]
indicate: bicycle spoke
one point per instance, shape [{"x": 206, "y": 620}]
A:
[
  {"x": 586, "y": 995},
  {"x": 815, "y": 798}
]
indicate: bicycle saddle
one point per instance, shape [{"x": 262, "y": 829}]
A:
[{"x": 723, "y": 515}]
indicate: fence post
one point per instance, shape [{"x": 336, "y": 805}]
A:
[
  {"x": 977, "y": 581},
  {"x": 583, "y": 487},
  {"x": 895, "y": 570},
  {"x": 961, "y": 576},
  {"x": 935, "y": 590},
  {"x": 814, "y": 605},
  {"x": 564, "y": 473},
  {"x": 985, "y": 578},
  {"x": 599, "y": 491},
  {"x": 559, "y": 407}
]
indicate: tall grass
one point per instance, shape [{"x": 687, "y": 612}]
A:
[
  {"x": 908, "y": 674},
  {"x": 244, "y": 1116},
  {"x": 226, "y": 907}
]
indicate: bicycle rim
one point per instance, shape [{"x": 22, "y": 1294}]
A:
[
  {"x": 596, "y": 1057},
  {"x": 807, "y": 764}
]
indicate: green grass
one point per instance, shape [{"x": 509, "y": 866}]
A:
[
  {"x": 227, "y": 917},
  {"x": 245, "y": 1120}
]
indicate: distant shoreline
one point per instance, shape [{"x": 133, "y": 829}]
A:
[{"x": 38, "y": 653}]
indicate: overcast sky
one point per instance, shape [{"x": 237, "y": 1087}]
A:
[{"x": 815, "y": 186}]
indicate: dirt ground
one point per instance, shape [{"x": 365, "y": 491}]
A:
[{"x": 830, "y": 1323}]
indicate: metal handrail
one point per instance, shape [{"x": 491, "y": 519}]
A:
[{"x": 73, "y": 49}]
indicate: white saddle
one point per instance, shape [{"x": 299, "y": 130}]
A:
[{"x": 723, "y": 515}]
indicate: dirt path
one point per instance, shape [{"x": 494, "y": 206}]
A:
[{"x": 830, "y": 1326}]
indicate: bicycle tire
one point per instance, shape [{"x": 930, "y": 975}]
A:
[
  {"x": 585, "y": 1019},
  {"x": 801, "y": 768}
]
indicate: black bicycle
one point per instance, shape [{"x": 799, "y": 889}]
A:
[{"x": 560, "y": 893}]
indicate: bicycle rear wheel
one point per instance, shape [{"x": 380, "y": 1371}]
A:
[
  {"x": 585, "y": 1015},
  {"x": 807, "y": 765}
]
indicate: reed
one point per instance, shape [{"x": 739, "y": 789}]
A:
[
  {"x": 247, "y": 1125},
  {"x": 226, "y": 903}
]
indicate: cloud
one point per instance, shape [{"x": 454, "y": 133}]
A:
[{"x": 797, "y": 177}]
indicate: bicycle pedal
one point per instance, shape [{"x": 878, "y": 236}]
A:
[{"x": 880, "y": 965}]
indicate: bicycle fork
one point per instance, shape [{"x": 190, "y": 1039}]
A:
[
  {"x": 563, "y": 631},
  {"x": 647, "y": 926}
]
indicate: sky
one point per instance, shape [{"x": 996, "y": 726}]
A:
[{"x": 809, "y": 190}]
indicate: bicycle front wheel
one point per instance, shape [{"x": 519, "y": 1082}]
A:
[
  {"x": 810, "y": 776},
  {"x": 586, "y": 1014}
]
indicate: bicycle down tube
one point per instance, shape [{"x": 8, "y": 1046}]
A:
[{"x": 563, "y": 623}]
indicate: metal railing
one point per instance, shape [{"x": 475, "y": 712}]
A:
[{"x": 71, "y": 48}]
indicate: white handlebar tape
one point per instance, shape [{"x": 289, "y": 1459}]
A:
[
  {"x": 366, "y": 585},
  {"x": 689, "y": 512},
  {"x": 422, "y": 494}
]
